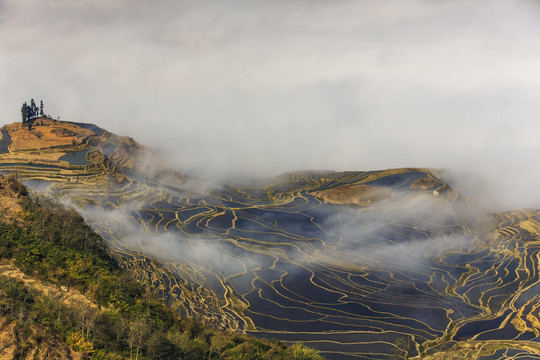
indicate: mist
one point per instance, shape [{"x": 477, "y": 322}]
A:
[
  {"x": 410, "y": 231},
  {"x": 227, "y": 90}
]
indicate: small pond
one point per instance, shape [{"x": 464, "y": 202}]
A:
[{"x": 76, "y": 157}]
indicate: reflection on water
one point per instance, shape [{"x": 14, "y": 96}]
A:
[
  {"x": 5, "y": 142},
  {"x": 29, "y": 165},
  {"x": 76, "y": 157}
]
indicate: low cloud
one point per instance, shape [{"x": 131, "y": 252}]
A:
[
  {"x": 407, "y": 232},
  {"x": 236, "y": 89},
  {"x": 199, "y": 252}
]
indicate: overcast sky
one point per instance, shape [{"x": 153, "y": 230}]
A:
[{"x": 229, "y": 88}]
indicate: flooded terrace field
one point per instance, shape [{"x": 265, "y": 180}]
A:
[{"x": 389, "y": 280}]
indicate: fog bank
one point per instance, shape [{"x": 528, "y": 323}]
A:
[{"x": 236, "y": 88}]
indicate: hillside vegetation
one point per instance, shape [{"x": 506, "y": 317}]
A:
[{"x": 62, "y": 296}]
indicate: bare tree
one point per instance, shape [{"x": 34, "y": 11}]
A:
[
  {"x": 137, "y": 331},
  {"x": 85, "y": 317}
]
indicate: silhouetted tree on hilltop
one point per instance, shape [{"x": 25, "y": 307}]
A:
[
  {"x": 24, "y": 112},
  {"x": 30, "y": 112}
]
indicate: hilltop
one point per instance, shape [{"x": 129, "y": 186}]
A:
[
  {"x": 45, "y": 133},
  {"x": 54, "y": 150}
]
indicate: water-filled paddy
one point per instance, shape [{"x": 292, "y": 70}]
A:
[
  {"x": 29, "y": 165},
  {"x": 5, "y": 141},
  {"x": 76, "y": 157}
]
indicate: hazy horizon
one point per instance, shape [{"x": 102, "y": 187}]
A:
[{"x": 236, "y": 88}]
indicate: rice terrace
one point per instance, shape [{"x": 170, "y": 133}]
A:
[{"x": 387, "y": 264}]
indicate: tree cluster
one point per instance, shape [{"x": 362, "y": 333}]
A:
[{"x": 32, "y": 111}]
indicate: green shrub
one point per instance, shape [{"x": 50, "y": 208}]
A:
[{"x": 301, "y": 352}]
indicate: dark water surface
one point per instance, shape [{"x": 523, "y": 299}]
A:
[
  {"x": 76, "y": 157},
  {"x": 5, "y": 142}
]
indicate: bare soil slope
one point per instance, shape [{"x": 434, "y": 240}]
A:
[
  {"x": 10, "y": 207},
  {"x": 45, "y": 133},
  {"x": 38, "y": 345}
]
